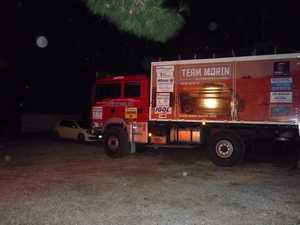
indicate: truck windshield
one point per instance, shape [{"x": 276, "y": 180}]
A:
[{"x": 107, "y": 91}]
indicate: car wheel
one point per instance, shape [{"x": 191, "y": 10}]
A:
[
  {"x": 226, "y": 149},
  {"x": 56, "y": 135},
  {"x": 81, "y": 138},
  {"x": 116, "y": 142}
]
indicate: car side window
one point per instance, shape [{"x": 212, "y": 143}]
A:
[
  {"x": 68, "y": 123},
  {"x": 63, "y": 123},
  {"x": 73, "y": 124}
]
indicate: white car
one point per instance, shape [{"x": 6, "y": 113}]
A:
[{"x": 76, "y": 130}]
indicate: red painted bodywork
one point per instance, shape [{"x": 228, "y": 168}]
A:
[
  {"x": 243, "y": 91},
  {"x": 115, "y": 108}
]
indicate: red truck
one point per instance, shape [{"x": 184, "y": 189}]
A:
[{"x": 225, "y": 103}]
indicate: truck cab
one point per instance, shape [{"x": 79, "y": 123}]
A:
[{"x": 120, "y": 103}]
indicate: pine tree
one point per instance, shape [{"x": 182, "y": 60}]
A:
[{"x": 144, "y": 18}]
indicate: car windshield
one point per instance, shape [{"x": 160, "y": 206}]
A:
[{"x": 84, "y": 124}]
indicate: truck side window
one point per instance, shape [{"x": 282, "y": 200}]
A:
[
  {"x": 105, "y": 91},
  {"x": 132, "y": 90}
]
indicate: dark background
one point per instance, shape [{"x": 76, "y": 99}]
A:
[{"x": 58, "y": 78}]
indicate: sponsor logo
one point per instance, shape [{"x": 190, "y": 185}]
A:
[{"x": 163, "y": 110}]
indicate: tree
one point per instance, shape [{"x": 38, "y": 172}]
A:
[{"x": 144, "y": 18}]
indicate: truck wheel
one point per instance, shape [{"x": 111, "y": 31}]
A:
[
  {"x": 226, "y": 149},
  {"x": 116, "y": 142}
]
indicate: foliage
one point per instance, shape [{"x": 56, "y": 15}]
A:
[{"x": 143, "y": 18}]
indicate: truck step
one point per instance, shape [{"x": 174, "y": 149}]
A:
[{"x": 183, "y": 146}]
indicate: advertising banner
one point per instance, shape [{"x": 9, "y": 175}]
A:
[
  {"x": 97, "y": 113},
  {"x": 282, "y": 84},
  {"x": 280, "y": 110},
  {"x": 165, "y": 78},
  {"x": 249, "y": 89},
  {"x": 131, "y": 113},
  {"x": 205, "y": 91},
  {"x": 281, "y": 97},
  {"x": 163, "y": 103},
  {"x": 281, "y": 68}
]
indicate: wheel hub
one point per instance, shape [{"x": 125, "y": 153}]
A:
[
  {"x": 113, "y": 142},
  {"x": 224, "y": 149}
]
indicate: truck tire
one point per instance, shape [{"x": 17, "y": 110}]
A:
[
  {"x": 116, "y": 142},
  {"x": 226, "y": 148}
]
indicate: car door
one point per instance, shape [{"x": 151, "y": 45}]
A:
[
  {"x": 67, "y": 129},
  {"x": 62, "y": 129},
  {"x": 73, "y": 130}
]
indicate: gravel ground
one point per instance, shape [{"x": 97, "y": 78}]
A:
[{"x": 65, "y": 183}]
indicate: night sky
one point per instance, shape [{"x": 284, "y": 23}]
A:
[{"x": 57, "y": 79}]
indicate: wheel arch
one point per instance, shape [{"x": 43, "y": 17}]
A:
[
  {"x": 116, "y": 143},
  {"x": 115, "y": 122}
]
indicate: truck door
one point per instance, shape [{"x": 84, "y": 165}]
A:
[
  {"x": 136, "y": 92},
  {"x": 104, "y": 101}
]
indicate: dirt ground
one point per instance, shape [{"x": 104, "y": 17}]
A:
[{"x": 60, "y": 182}]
